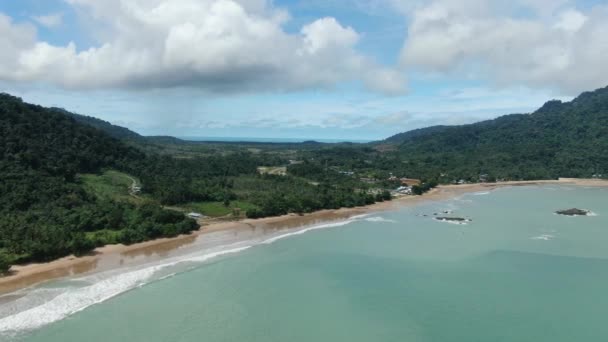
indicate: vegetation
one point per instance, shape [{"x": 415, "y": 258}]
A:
[
  {"x": 65, "y": 179},
  {"x": 65, "y": 182},
  {"x": 46, "y": 211},
  {"x": 5, "y": 262},
  {"x": 558, "y": 140},
  {"x": 111, "y": 130},
  {"x": 424, "y": 187},
  {"x": 111, "y": 185},
  {"x": 219, "y": 209}
]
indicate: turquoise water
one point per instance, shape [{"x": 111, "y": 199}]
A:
[{"x": 517, "y": 272}]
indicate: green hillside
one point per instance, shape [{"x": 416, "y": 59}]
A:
[
  {"x": 46, "y": 210},
  {"x": 65, "y": 180},
  {"x": 114, "y": 131},
  {"x": 64, "y": 184},
  {"x": 559, "y": 140}
]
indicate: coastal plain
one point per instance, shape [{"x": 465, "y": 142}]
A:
[{"x": 216, "y": 234}]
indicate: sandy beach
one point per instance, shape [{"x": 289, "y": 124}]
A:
[{"x": 226, "y": 232}]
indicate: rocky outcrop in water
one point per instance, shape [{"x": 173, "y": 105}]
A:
[
  {"x": 453, "y": 219},
  {"x": 573, "y": 212}
]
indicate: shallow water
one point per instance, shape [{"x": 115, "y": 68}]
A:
[{"x": 517, "y": 272}]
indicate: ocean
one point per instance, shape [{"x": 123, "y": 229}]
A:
[
  {"x": 271, "y": 140},
  {"x": 515, "y": 272}
]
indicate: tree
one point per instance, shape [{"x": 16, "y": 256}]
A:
[
  {"x": 5, "y": 263},
  {"x": 81, "y": 244}
]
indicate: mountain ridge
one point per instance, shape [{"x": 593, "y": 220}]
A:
[
  {"x": 568, "y": 139},
  {"x": 118, "y": 132}
]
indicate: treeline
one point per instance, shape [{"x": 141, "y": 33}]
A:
[
  {"x": 52, "y": 230},
  {"x": 173, "y": 181},
  {"x": 279, "y": 195},
  {"x": 424, "y": 187}
]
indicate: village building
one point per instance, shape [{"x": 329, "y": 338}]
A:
[
  {"x": 410, "y": 181},
  {"x": 404, "y": 190},
  {"x": 195, "y": 215}
]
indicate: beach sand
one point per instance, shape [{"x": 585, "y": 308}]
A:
[{"x": 221, "y": 233}]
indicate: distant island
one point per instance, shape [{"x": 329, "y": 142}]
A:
[{"x": 70, "y": 183}]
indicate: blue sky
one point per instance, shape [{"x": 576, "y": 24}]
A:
[{"x": 317, "y": 69}]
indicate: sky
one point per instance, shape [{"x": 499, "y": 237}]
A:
[{"x": 311, "y": 69}]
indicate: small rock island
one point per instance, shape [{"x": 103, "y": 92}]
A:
[{"x": 573, "y": 212}]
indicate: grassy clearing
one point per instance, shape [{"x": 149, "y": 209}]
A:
[
  {"x": 105, "y": 237},
  {"x": 272, "y": 170},
  {"x": 110, "y": 185},
  {"x": 218, "y": 209}
]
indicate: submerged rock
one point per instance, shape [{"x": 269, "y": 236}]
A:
[
  {"x": 573, "y": 212},
  {"x": 453, "y": 219}
]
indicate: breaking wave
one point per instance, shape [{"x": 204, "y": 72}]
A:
[
  {"x": 302, "y": 231},
  {"x": 544, "y": 237},
  {"x": 41, "y": 306},
  {"x": 74, "y": 299},
  {"x": 379, "y": 219}
]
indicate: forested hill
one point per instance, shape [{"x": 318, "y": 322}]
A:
[
  {"x": 44, "y": 140},
  {"x": 67, "y": 185},
  {"x": 45, "y": 209},
  {"x": 47, "y": 156},
  {"x": 561, "y": 139},
  {"x": 114, "y": 131},
  {"x": 413, "y": 134}
]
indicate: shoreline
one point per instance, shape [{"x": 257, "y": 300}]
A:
[{"x": 112, "y": 257}]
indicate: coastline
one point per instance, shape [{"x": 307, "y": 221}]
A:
[{"x": 112, "y": 257}]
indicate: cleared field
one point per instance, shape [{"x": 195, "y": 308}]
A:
[
  {"x": 110, "y": 184},
  {"x": 272, "y": 170},
  {"x": 218, "y": 209}
]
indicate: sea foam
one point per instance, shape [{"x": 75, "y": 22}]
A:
[
  {"x": 544, "y": 237},
  {"x": 73, "y": 300},
  {"x": 379, "y": 219},
  {"x": 304, "y": 230},
  {"x": 98, "y": 288}
]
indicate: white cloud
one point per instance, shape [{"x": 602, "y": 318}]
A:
[
  {"x": 327, "y": 33},
  {"x": 555, "y": 46},
  {"x": 570, "y": 21},
  {"x": 50, "y": 20},
  {"x": 217, "y": 45}
]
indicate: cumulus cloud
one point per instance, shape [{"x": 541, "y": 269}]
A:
[
  {"x": 217, "y": 45},
  {"x": 50, "y": 20},
  {"x": 553, "y": 45}
]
